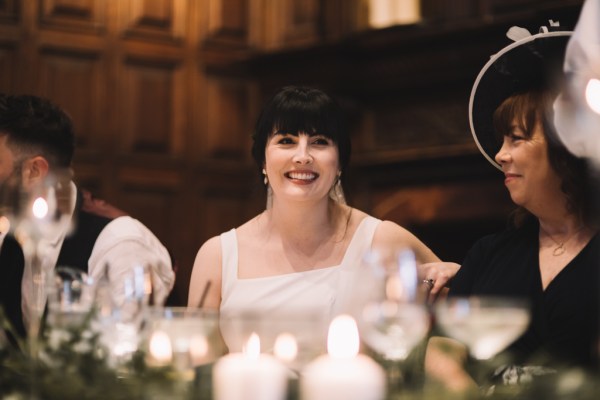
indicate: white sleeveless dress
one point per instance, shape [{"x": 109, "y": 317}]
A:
[
  {"x": 322, "y": 290},
  {"x": 301, "y": 303}
]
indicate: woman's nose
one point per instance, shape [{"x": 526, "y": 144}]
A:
[
  {"x": 503, "y": 155},
  {"x": 303, "y": 155}
]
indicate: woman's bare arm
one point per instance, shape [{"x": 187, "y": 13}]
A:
[{"x": 205, "y": 282}]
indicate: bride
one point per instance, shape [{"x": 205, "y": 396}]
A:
[{"x": 302, "y": 252}]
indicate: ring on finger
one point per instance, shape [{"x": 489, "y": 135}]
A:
[{"x": 429, "y": 283}]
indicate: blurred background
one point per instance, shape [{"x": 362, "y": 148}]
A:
[{"x": 164, "y": 95}]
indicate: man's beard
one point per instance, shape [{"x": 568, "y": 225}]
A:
[{"x": 11, "y": 192}]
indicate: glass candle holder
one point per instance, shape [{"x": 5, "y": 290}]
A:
[{"x": 183, "y": 338}]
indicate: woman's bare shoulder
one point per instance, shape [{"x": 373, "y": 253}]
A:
[
  {"x": 391, "y": 235},
  {"x": 206, "y": 274},
  {"x": 211, "y": 248}
]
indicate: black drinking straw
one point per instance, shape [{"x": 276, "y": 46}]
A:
[{"x": 204, "y": 294}]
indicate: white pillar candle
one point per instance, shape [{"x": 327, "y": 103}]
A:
[
  {"x": 343, "y": 374},
  {"x": 249, "y": 375}
]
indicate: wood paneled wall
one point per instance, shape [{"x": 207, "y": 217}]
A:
[{"x": 164, "y": 94}]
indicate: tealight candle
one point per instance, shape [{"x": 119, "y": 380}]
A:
[
  {"x": 249, "y": 375},
  {"x": 161, "y": 350},
  {"x": 343, "y": 374}
]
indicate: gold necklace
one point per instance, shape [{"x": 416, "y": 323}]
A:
[{"x": 560, "y": 249}]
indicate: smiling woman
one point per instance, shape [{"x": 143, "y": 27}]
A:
[
  {"x": 297, "y": 255},
  {"x": 549, "y": 254},
  {"x": 523, "y": 156}
]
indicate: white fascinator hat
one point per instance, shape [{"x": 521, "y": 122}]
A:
[{"x": 531, "y": 62}]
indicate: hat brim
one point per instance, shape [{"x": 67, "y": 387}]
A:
[{"x": 521, "y": 66}]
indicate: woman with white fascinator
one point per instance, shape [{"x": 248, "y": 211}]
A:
[
  {"x": 550, "y": 253},
  {"x": 297, "y": 254}
]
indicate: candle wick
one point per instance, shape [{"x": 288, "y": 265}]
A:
[{"x": 204, "y": 294}]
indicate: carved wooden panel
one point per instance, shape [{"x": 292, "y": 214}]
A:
[
  {"x": 290, "y": 23},
  {"x": 74, "y": 14},
  {"x": 153, "y": 207},
  {"x": 8, "y": 69},
  {"x": 74, "y": 79},
  {"x": 449, "y": 9},
  {"x": 9, "y": 10},
  {"x": 450, "y": 202},
  {"x": 448, "y": 217},
  {"x": 228, "y": 130},
  {"x": 302, "y": 21},
  {"x": 421, "y": 123},
  {"x": 227, "y": 22},
  {"x": 154, "y": 19},
  {"x": 151, "y": 113}
]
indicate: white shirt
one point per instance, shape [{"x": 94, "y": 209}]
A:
[{"x": 123, "y": 244}]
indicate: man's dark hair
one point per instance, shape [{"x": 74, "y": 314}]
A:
[{"x": 36, "y": 126}]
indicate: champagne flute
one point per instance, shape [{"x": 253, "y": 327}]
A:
[{"x": 37, "y": 211}]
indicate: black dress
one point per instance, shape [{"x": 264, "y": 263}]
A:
[{"x": 565, "y": 316}]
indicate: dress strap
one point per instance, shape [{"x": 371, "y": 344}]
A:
[
  {"x": 229, "y": 263},
  {"x": 361, "y": 242},
  {"x": 350, "y": 269}
]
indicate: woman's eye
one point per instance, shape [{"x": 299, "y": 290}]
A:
[
  {"x": 321, "y": 142},
  {"x": 285, "y": 140}
]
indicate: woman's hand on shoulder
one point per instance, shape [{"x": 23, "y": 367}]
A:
[
  {"x": 205, "y": 282},
  {"x": 437, "y": 275}
]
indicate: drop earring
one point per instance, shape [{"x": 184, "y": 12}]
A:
[
  {"x": 266, "y": 180},
  {"x": 337, "y": 192}
]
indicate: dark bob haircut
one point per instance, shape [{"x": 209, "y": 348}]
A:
[{"x": 298, "y": 109}]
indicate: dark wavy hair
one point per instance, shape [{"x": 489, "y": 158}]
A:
[
  {"x": 297, "y": 109},
  {"x": 36, "y": 126},
  {"x": 577, "y": 176}
]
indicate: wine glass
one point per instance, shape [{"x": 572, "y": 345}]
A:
[
  {"x": 71, "y": 298},
  {"x": 486, "y": 325},
  {"x": 393, "y": 318}
]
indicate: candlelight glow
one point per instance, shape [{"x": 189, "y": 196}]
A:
[
  {"x": 40, "y": 208},
  {"x": 286, "y": 347},
  {"x": 4, "y": 224},
  {"x": 160, "y": 347},
  {"x": 252, "y": 347},
  {"x": 343, "y": 340},
  {"x": 198, "y": 347},
  {"x": 394, "y": 289},
  {"x": 592, "y": 95}
]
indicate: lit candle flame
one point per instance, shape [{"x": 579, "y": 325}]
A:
[
  {"x": 40, "y": 208},
  {"x": 343, "y": 340},
  {"x": 252, "y": 347},
  {"x": 160, "y": 347},
  {"x": 592, "y": 95},
  {"x": 286, "y": 347}
]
